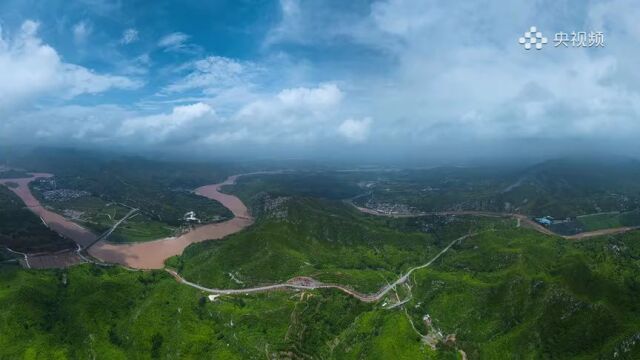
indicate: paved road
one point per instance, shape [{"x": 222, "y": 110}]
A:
[
  {"x": 128, "y": 254},
  {"x": 106, "y": 234},
  {"x": 307, "y": 283},
  {"x": 524, "y": 221},
  {"x": 26, "y": 257}
]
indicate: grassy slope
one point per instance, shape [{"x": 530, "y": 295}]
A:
[
  {"x": 327, "y": 240},
  {"x": 99, "y": 215},
  {"x": 604, "y": 221}
]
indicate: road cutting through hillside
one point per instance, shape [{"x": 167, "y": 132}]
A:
[{"x": 308, "y": 283}]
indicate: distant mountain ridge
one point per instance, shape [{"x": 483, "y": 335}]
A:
[{"x": 571, "y": 187}]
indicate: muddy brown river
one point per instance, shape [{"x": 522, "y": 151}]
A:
[
  {"x": 54, "y": 221},
  {"x": 143, "y": 255}
]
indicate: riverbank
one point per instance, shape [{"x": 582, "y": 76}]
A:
[{"x": 146, "y": 255}]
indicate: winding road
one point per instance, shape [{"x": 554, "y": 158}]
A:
[
  {"x": 307, "y": 283},
  {"x": 152, "y": 254}
]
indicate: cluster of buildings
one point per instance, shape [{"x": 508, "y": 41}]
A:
[
  {"x": 63, "y": 194},
  {"x": 389, "y": 209}
]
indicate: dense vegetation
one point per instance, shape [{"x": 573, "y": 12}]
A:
[
  {"x": 611, "y": 220},
  {"x": 99, "y": 215},
  {"x": 111, "y": 313},
  {"x": 326, "y": 184},
  {"x": 563, "y": 188},
  {"x": 23, "y": 231},
  {"x": 327, "y": 240},
  {"x": 597, "y": 221},
  {"x": 533, "y": 296},
  {"x": 507, "y": 293}
]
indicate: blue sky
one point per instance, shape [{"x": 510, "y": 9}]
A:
[{"x": 296, "y": 77}]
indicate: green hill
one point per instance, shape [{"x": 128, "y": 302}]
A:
[
  {"x": 505, "y": 291},
  {"x": 504, "y": 294},
  {"x": 561, "y": 188},
  {"x": 328, "y": 240}
]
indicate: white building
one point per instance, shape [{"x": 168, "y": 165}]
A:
[{"x": 190, "y": 216}]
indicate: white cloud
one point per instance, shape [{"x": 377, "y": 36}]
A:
[
  {"x": 94, "y": 124},
  {"x": 226, "y": 137},
  {"x": 137, "y": 66},
  {"x": 85, "y": 81},
  {"x": 322, "y": 96},
  {"x": 182, "y": 121},
  {"x": 432, "y": 73},
  {"x": 112, "y": 124},
  {"x": 355, "y": 131},
  {"x": 173, "y": 39},
  {"x": 213, "y": 72},
  {"x": 129, "y": 36},
  {"x": 295, "y": 115},
  {"x": 290, "y": 25},
  {"x": 30, "y": 68},
  {"x": 296, "y": 105},
  {"x": 81, "y": 31},
  {"x": 452, "y": 77},
  {"x": 307, "y": 23},
  {"x": 177, "y": 42},
  {"x": 403, "y": 16}
]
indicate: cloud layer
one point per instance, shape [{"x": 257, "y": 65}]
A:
[
  {"x": 30, "y": 68},
  {"x": 395, "y": 76}
]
